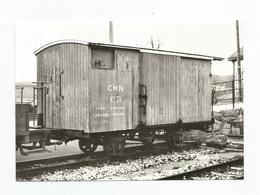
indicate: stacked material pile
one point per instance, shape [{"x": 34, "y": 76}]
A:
[
  {"x": 211, "y": 139},
  {"x": 226, "y": 122},
  {"x": 227, "y": 118}
]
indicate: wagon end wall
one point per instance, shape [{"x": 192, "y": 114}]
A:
[{"x": 63, "y": 69}]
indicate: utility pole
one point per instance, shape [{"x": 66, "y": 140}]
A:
[
  {"x": 111, "y": 33},
  {"x": 155, "y": 45},
  {"x": 238, "y": 62}
]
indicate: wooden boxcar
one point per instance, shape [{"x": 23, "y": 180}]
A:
[{"x": 104, "y": 94}]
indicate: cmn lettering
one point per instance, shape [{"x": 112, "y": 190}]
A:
[{"x": 112, "y": 88}]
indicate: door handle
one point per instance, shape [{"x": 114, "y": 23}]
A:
[
  {"x": 143, "y": 95},
  {"x": 62, "y": 97}
]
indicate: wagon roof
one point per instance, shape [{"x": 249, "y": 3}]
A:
[{"x": 141, "y": 49}]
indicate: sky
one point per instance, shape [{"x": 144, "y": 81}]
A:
[{"x": 216, "y": 38}]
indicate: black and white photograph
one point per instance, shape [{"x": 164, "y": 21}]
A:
[
  {"x": 129, "y": 110},
  {"x": 151, "y": 99}
]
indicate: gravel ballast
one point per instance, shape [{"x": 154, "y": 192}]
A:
[{"x": 145, "y": 168}]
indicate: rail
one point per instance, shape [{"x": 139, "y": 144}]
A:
[
  {"x": 27, "y": 169},
  {"x": 189, "y": 174}
]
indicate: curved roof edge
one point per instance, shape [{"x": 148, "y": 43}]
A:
[
  {"x": 141, "y": 49},
  {"x": 59, "y": 42}
]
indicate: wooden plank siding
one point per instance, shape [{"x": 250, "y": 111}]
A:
[
  {"x": 100, "y": 86},
  {"x": 111, "y": 115},
  {"x": 74, "y": 112},
  {"x": 70, "y": 112},
  {"x": 194, "y": 92},
  {"x": 39, "y": 78},
  {"x": 177, "y": 88},
  {"x": 160, "y": 76}
]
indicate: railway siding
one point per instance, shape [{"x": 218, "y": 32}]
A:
[{"x": 144, "y": 168}]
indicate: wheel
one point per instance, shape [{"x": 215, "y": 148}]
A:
[
  {"x": 132, "y": 135},
  {"x": 147, "y": 138},
  {"x": 114, "y": 145},
  {"x": 173, "y": 138},
  {"x": 108, "y": 147},
  {"x": 148, "y": 141},
  {"x": 87, "y": 146},
  {"x": 21, "y": 150},
  {"x": 170, "y": 139}
]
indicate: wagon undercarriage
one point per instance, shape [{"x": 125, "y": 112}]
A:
[{"x": 113, "y": 142}]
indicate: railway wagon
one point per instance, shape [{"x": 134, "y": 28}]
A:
[{"x": 103, "y": 94}]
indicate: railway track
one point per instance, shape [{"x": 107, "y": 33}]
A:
[
  {"x": 27, "y": 169},
  {"x": 216, "y": 170}
]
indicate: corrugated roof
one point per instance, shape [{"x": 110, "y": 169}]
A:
[
  {"x": 233, "y": 57},
  {"x": 141, "y": 49}
]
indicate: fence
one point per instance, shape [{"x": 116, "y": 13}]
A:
[
  {"x": 26, "y": 94},
  {"x": 228, "y": 92}
]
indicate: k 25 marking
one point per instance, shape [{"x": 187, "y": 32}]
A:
[{"x": 115, "y": 99}]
